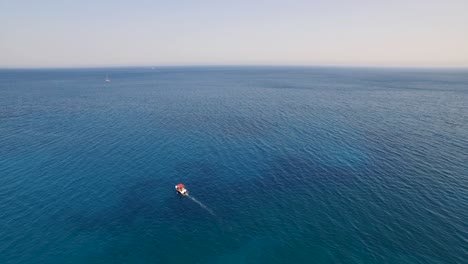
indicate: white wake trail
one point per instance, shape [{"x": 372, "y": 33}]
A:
[{"x": 202, "y": 205}]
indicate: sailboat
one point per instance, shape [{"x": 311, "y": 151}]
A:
[{"x": 107, "y": 78}]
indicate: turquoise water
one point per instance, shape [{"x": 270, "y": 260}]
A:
[{"x": 296, "y": 165}]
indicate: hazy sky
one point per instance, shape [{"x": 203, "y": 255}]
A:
[{"x": 55, "y": 33}]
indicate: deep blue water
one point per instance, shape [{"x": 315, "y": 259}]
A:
[{"x": 298, "y": 165}]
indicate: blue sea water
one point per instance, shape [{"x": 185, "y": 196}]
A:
[{"x": 296, "y": 165}]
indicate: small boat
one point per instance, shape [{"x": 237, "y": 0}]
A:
[
  {"x": 180, "y": 188},
  {"x": 107, "y": 79}
]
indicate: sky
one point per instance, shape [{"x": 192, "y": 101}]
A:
[{"x": 94, "y": 33}]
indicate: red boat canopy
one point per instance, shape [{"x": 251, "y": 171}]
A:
[{"x": 180, "y": 185}]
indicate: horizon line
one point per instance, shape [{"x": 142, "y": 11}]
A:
[{"x": 231, "y": 65}]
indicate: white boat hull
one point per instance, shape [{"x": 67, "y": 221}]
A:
[{"x": 182, "y": 191}]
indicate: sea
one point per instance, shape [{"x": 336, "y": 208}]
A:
[{"x": 283, "y": 165}]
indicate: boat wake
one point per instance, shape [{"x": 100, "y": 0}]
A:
[{"x": 202, "y": 205}]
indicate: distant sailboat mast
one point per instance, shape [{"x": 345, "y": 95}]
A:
[{"x": 107, "y": 78}]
